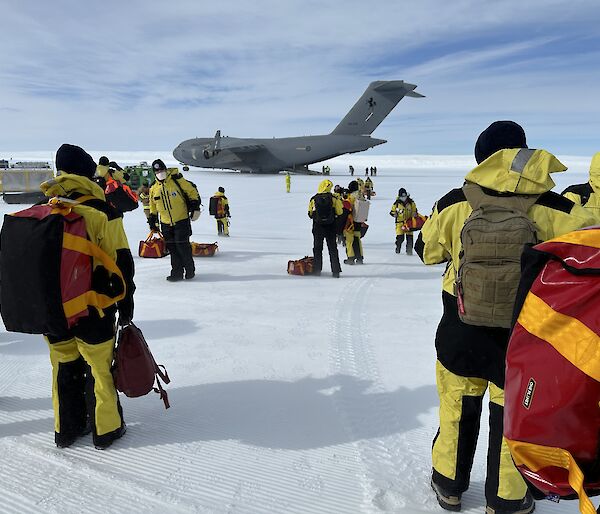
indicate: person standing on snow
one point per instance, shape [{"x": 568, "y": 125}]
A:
[
  {"x": 219, "y": 208},
  {"x": 324, "y": 208},
  {"x": 174, "y": 201},
  {"x": 368, "y": 188},
  {"x": 403, "y": 209},
  {"x": 288, "y": 182},
  {"x": 588, "y": 195},
  {"x": 144, "y": 196},
  {"x": 84, "y": 396},
  {"x": 352, "y": 229},
  {"x": 471, "y": 357}
]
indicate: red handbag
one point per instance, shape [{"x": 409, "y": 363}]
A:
[
  {"x": 154, "y": 247},
  {"x": 135, "y": 371}
]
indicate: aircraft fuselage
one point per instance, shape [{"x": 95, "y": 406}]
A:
[{"x": 268, "y": 155}]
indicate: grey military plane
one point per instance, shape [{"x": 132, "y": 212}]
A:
[{"x": 295, "y": 154}]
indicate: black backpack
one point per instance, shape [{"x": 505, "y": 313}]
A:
[
  {"x": 213, "y": 206},
  {"x": 176, "y": 177},
  {"x": 324, "y": 213}
]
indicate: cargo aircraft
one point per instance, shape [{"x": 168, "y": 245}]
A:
[{"x": 295, "y": 154}]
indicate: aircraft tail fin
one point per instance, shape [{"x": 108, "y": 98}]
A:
[{"x": 373, "y": 106}]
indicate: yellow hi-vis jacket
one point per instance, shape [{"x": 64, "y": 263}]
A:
[
  {"x": 403, "y": 211},
  {"x": 588, "y": 195},
  {"x": 514, "y": 171},
  {"x": 167, "y": 198}
]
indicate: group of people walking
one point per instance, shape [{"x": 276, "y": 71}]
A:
[{"x": 470, "y": 354}]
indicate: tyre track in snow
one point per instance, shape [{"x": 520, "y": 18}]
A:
[
  {"x": 393, "y": 460},
  {"x": 351, "y": 354}
]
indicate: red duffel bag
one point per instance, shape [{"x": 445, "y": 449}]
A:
[
  {"x": 204, "y": 249},
  {"x": 154, "y": 247},
  {"x": 302, "y": 266},
  {"x": 552, "y": 391},
  {"x": 414, "y": 223}
]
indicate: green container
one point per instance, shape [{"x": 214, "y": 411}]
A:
[{"x": 140, "y": 173}]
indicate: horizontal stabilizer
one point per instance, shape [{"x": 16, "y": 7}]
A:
[{"x": 373, "y": 106}]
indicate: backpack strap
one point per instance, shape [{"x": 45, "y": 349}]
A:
[
  {"x": 536, "y": 457},
  {"x": 477, "y": 198},
  {"x": 85, "y": 246}
]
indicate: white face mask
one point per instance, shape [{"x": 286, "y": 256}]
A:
[
  {"x": 403, "y": 198},
  {"x": 161, "y": 175}
]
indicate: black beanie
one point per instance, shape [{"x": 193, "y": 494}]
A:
[
  {"x": 353, "y": 186},
  {"x": 221, "y": 190},
  {"x": 402, "y": 191},
  {"x": 115, "y": 166},
  {"x": 103, "y": 161},
  {"x": 73, "y": 159},
  {"x": 498, "y": 136},
  {"x": 158, "y": 165}
]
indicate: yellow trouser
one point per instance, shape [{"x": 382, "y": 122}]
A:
[
  {"x": 222, "y": 226},
  {"x": 287, "y": 188},
  {"x": 106, "y": 412},
  {"x": 454, "y": 445},
  {"x": 353, "y": 243}
]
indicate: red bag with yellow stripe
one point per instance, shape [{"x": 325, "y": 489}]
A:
[
  {"x": 154, "y": 247},
  {"x": 204, "y": 249},
  {"x": 413, "y": 224},
  {"x": 552, "y": 393},
  {"x": 46, "y": 266}
]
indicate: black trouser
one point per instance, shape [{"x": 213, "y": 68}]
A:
[
  {"x": 328, "y": 233},
  {"x": 409, "y": 242},
  {"x": 177, "y": 238}
]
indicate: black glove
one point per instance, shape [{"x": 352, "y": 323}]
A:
[
  {"x": 194, "y": 205},
  {"x": 153, "y": 222},
  {"x": 125, "y": 307}
]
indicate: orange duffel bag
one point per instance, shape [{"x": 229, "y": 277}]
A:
[
  {"x": 154, "y": 247},
  {"x": 413, "y": 224},
  {"x": 301, "y": 266},
  {"x": 204, "y": 249}
]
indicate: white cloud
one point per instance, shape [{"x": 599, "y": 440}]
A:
[{"x": 141, "y": 74}]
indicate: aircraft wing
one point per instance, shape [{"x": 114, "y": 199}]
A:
[{"x": 243, "y": 149}]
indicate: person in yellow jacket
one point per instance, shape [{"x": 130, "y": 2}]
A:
[
  {"x": 174, "y": 201},
  {"x": 352, "y": 229},
  {"x": 471, "y": 359},
  {"x": 288, "y": 182},
  {"x": 588, "y": 195},
  {"x": 324, "y": 209},
  {"x": 84, "y": 396},
  {"x": 144, "y": 196},
  {"x": 403, "y": 209},
  {"x": 219, "y": 206}
]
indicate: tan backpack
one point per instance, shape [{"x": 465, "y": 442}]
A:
[{"x": 493, "y": 238}]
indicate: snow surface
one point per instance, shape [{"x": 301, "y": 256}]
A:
[{"x": 289, "y": 394}]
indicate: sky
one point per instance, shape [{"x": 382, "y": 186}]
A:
[{"x": 145, "y": 75}]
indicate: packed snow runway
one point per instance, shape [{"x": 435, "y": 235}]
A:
[{"x": 289, "y": 394}]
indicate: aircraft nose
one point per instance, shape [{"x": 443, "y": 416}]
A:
[{"x": 179, "y": 153}]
